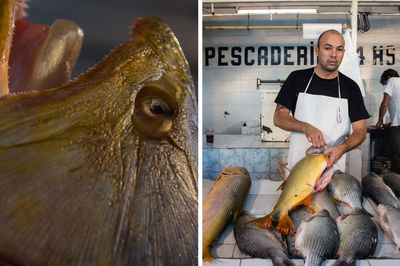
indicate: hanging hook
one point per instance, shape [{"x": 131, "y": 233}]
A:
[
  {"x": 297, "y": 21},
  {"x": 248, "y": 21}
]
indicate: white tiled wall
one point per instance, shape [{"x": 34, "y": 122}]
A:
[{"x": 233, "y": 89}]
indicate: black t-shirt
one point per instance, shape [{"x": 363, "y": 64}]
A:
[{"x": 297, "y": 82}]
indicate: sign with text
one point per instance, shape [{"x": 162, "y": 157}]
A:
[{"x": 289, "y": 55}]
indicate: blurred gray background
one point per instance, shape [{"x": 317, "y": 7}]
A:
[{"x": 106, "y": 24}]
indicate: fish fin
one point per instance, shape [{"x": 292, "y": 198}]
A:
[
  {"x": 217, "y": 181},
  {"x": 312, "y": 209},
  {"x": 262, "y": 222},
  {"x": 281, "y": 186},
  {"x": 207, "y": 255},
  {"x": 306, "y": 201},
  {"x": 364, "y": 211},
  {"x": 285, "y": 225},
  {"x": 280, "y": 169}
]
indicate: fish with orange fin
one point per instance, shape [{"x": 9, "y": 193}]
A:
[{"x": 309, "y": 175}]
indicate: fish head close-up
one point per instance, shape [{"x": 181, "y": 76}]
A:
[{"x": 103, "y": 169}]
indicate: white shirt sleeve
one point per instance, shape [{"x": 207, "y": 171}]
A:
[{"x": 389, "y": 87}]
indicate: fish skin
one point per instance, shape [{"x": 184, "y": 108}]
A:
[
  {"x": 392, "y": 179},
  {"x": 84, "y": 181},
  {"x": 323, "y": 200},
  {"x": 298, "y": 215},
  {"x": 389, "y": 220},
  {"x": 346, "y": 189},
  {"x": 317, "y": 238},
  {"x": 259, "y": 243},
  {"x": 223, "y": 204},
  {"x": 358, "y": 237},
  {"x": 303, "y": 180},
  {"x": 374, "y": 187}
]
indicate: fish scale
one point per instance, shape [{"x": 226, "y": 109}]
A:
[
  {"x": 358, "y": 237},
  {"x": 258, "y": 242},
  {"x": 392, "y": 179},
  {"x": 374, "y": 187},
  {"x": 224, "y": 202},
  {"x": 346, "y": 189},
  {"x": 91, "y": 174},
  {"x": 317, "y": 238}
]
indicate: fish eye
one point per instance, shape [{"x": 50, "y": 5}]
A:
[
  {"x": 156, "y": 106},
  {"x": 155, "y": 110}
]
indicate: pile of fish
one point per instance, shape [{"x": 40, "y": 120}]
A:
[
  {"x": 311, "y": 220},
  {"x": 384, "y": 192}
]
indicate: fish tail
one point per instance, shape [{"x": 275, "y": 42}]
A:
[
  {"x": 285, "y": 225},
  {"x": 282, "y": 261},
  {"x": 207, "y": 254},
  {"x": 263, "y": 222}
]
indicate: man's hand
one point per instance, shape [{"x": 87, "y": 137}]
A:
[
  {"x": 354, "y": 140},
  {"x": 314, "y": 136},
  {"x": 334, "y": 154},
  {"x": 379, "y": 124}
]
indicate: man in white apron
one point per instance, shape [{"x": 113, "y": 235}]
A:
[
  {"x": 391, "y": 101},
  {"x": 325, "y": 104}
]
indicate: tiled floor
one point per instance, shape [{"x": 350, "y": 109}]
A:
[{"x": 260, "y": 201}]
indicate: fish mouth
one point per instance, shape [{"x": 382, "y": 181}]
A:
[{"x": 36, "y": 56}]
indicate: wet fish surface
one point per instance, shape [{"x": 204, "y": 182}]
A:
[
  {"x": 259, "y": 243},
  {"x": 389, "y": 220},
  {"x": 307, "y": 176},
  {"x": 103, "y": 170},
  {"x": 346, "y": 189},
  {"x": 223, "y": 205},
  {"x": 322, "y": 200},
  {"x": 298, "y": 215},
  {"x": 358, "y": 237},
  {"x": 374, "y": 187},
  {"x": 317, "y": 238},
  {"x": 392, "y": 179}
]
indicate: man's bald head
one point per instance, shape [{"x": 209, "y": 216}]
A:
[{"x": 328, "y": 32}]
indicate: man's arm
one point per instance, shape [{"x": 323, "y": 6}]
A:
[
  {"x": 284, "y": 120},
  {"x": 382, "y": 109},
  {"x": 354, "y": 140}
]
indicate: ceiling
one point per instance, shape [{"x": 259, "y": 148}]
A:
[{"x": 229, "y": 8}]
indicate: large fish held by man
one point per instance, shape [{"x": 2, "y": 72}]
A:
[
  {"x": 103, "y": 170},
  {"x": 309, "y": 175}
]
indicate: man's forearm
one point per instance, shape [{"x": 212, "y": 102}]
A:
[
  {"x": 356, "y": 137},
  {"x": 284, "y": 120},
  {"x": 382, "y": 111}
]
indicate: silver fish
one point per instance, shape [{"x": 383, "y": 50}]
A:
[
  {"x": 298, "y": 215},
  {"x": 322, "y": 200},
  {"x": 358, "y": 237},
  {"x": 317, "y": 238},
  {"x": 389, "y": 220},
  {"x": 392, "y": 179},
  {"x": 258, "y": 242},
  {"x": 346, "y": 189},
  {"x": 374, "y": 187}
]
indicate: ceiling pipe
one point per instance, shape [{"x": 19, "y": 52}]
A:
[{"x": 259, "y": 27}]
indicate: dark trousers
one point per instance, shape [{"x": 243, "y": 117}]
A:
[{"x": 395, "y": 149}]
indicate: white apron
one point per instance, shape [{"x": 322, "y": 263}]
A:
[{"x": 329, "y": 115}]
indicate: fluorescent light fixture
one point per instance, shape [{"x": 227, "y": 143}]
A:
[{"x": 278, "y": 11}]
